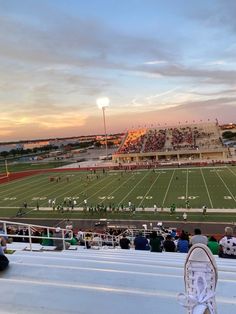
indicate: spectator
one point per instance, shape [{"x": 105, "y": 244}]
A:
[
  {"x": 155, "y": 242},
  {"x": 24, "y": 232},
  {"x": 73, "y": 240},
  {"x": 213, "y": 245},
  {"x": 88, "y": 240},
  {"x": 2, "y": 231},
  {"x": 198, "y": 237},
  {"x": 140, "y": 242},
  {"x": 3, "y": 260},
  {"x": 80, "y": 237},
  {"x": 124, "y": 243},
  {"x": 169, "y": 244},
  {"x": 58, "y": 243},
  {"x": 227, "y": 247},
  {"x": 3, "y": 239},
  {"x": 96, "y": 241},
  {"x": 46, "y": 241},
  {"x": 183, "y": 243},
  {"x": 37, "y": 234}
]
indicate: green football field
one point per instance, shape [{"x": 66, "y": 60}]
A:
[{"x": 213, "y": 187}]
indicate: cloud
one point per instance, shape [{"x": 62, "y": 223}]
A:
[
  {"x": 76, "y": 41},
  {"x": 155, "y": 62},
  {"x": 221, "y": 15},
  {"x": 211, "y": 76},
  {"x": 217, "y": 62}
]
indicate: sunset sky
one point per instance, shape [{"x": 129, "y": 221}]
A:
[{"x": 158, "y": 62}]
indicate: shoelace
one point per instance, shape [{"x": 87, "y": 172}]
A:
[{"x": 201, "y": 297}]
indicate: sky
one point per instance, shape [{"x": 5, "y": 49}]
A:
[{"x": 159, "y": 62}]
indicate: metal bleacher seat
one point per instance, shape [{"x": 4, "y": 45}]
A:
[{"x": 104, "y": 281}]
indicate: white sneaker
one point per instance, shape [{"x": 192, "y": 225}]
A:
[{"x": 200, "y": 275}]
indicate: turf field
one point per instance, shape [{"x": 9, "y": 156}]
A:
[
  {"x": 213, "y": 187},
  {"x": 15, "y": 167}
]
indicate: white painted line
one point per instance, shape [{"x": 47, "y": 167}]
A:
[
  {"x": 119, "y": 186},
  {"x": 167, "y": 190},
  {"x": 139, "y": 205},
  {"x": 208, "y": 193},
  {"x": 99, "y": 190},
  {"x": 186, "y": 190},
  {"x": 133, "y": 188},
  {"x": 231, "y": 171},
  {"x": 226, "y": 187}
]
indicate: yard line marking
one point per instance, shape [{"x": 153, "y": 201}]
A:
[
  {"x": 38, "y": 186},
  {"x": 14, "y": 185},
  {"x": 226, "y": 186},
  {"x": 53, "y": 188},
  {"x": 148, "y": 190},
  {"x": 76, "y": 187},
  {"x": 119, "y": 186},
  {"x": 98, "y": 190},
  {"x": 167, "y": 190},
  {"x": 21, "y": 195},
  {"x": 148, "y": 172},
  {"x": 186, "y": 191},
  {"x": 231, "y": 171},
  {"x": 208, "y": 193}
]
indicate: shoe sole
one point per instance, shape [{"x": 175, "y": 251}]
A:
[
  {"x": 211, "y": 260},
  {"x": 210, "y": 256}
]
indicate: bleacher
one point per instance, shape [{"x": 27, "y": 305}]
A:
[
  {"x": 106, "y": 280},
  {"x": 192, "y": 136}
]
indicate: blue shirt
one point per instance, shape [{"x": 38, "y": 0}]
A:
[
  {"x": 183, "y": 246},
  {"x": 140, "y": 243}
]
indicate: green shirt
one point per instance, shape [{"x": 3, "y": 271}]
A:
[{"x": 214, "y": 247}]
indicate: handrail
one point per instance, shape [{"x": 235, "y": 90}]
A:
[
  {"x": 92, "y": 238},
  {"x": 30, "y": 236}
]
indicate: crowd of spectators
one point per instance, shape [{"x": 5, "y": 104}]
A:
[
  {"x": 155, "y": 140},
  {"x": 133, "y": 142},
  {"x": 177, "y": 138},
  {"x": 158, "y": 242},
  {"x": 182, "y": 137},
  {"x": 154, "y": 241}
]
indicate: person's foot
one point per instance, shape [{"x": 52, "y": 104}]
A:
[{"x": 200, "y": 275}]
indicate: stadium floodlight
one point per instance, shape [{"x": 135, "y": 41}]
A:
[{"x": 102, "y": 104}]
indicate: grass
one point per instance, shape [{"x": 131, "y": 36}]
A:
[
  {"x": 30, "y": 166},
  {"x": 214, "y": 187},
  {"x": 210, "y": 217}
]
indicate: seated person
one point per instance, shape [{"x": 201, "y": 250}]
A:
[
  {"x": 24, "y": 232},
  {"x": 183, "y": 243},
  {"x": 124, "y": 243},
  {"x": 198, "y": 237},
  {"x": 46, "y": 241},
  {"x": 213, "y": 245},
  {"x": 58, "y": 243},
  {"x": 155, "y": 242},
  {"x": 3, "y": 260},
  {"x": 227, "y": 247},
  {"x": 169, "y": 244},
  {"x": 140, "y": 242},
  {"x": 3, "y": 243}
]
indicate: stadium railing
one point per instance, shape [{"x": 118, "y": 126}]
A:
[{"x": 66, "y": 234}]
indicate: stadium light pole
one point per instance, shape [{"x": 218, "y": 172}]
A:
[{"x": 102, "y": 104}]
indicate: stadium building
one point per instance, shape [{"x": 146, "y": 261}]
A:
[{"x": 177, "y": 143}]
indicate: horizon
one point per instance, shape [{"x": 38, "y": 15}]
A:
[{"x": 159, "y": 63}]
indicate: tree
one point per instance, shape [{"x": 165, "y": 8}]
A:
[
  {"x": 4, "y": 154},
  {"x": 228, "y": 135}
]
